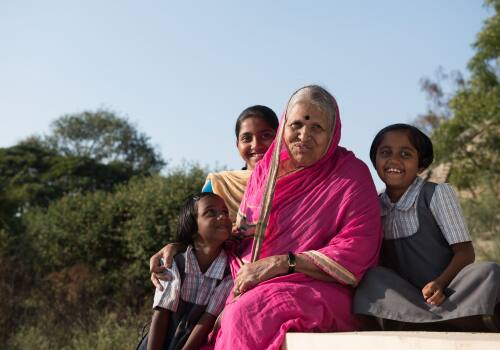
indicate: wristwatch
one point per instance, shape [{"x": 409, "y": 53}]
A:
[{"x": 291, "y": 262}]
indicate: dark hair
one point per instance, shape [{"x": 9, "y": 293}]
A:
[
  {"x": 418, "y": 139},
  {"x": 263, "y": 112},
  {"x": 188, "y": 225}
]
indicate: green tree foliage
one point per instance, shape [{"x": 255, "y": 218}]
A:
[
  {"x": 15, "y": 284},
  {"x": 104, "y": 137},
  {"x": 32, "y": 175},
  {"x": 470, "y": 139},
  {"x": 438, "y": 92},
  {"x": 114, "y": 233},
  {"x": 485, "y": 65},
  {"x": 22, "y": 168},
  {"x": 465, "y": 129},
  {"x": 81, "y": 211},
  {"x": 88, "y": 256}
]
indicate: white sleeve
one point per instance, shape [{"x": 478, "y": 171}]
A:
[
  {"x": 169, "y": 297},
  {"x": 446, "y": 210}
]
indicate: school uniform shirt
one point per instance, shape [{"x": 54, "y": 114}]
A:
[
  {"x": 400, "y": 219},
  {"x": 394, "y": 291},
  {"x": 210, "y": 288}
]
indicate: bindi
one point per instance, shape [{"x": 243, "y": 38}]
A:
[{"x": 307, "y": 117}]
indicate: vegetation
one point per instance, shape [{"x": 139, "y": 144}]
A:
[
  {"x": 465, "y": 128},
  {"x": 85, "y": 260},
  {"x": 104, "y": 137},
  {"x": 76, "y": 233}
]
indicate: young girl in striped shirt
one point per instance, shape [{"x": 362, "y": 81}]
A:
[
  {"x": 428, "y": 274},
  {"x": 187, "y": 306}
]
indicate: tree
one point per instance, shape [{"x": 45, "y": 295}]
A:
[
  {"x": 470, "y": 138},
  {"x": 114, "y": 233},
  {"x": 438, "y": 92},
  {"x": 104, "y": 137},
  {"x": 21, "y": 170},
  {"x": 465, "y": 129},
  {"x": 87, "y": 254},
  {"x": 32, "y": 175}
]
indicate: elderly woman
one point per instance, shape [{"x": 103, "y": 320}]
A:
[{"x": 312, "y": 209}]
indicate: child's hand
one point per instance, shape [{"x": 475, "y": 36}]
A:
[{"x": 433, "y": 293}]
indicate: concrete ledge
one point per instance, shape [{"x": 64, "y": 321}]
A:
[{"x": 392, "y": 340}]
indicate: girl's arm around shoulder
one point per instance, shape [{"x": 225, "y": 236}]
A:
[
  {"x": 168, "y": 296},
  {"x": 157, "y": 269}
]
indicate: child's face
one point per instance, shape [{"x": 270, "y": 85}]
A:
[
  {"x": 254, "y": 139},
  {"x": 214, "y": 225},
  {"x": 396, "y": 163}
]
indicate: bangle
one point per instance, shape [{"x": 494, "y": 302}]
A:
[{"x": 291, "y": 262}]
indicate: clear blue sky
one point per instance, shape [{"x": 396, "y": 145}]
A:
[{"x": 183, "y": 70}]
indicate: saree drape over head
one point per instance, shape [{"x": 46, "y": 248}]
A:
[{"x": 328, "y": 212}]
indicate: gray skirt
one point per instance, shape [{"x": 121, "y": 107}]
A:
[{"x": 383, "y": 293}]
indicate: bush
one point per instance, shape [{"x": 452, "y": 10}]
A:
[
  {"x": 109, "y": 331},
  {"x": 482, "y": 218},
  {"x": 91, "y": 251},
  {"x": 115, "y": 233},
  {"x": 15, "y": 284},
  {"x": 88, "y": 256}
]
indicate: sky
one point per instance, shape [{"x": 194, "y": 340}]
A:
[{"x": 182, "y": 71}]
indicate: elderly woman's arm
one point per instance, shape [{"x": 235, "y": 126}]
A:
[
  {"x": 264, "y": 269},
  {"x": 158, "y": 269},
  {"x": 350, "y": 252}
]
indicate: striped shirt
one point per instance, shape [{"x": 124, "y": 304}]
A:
[
  {"x": 400, "y": 219},
  {"x": 198, "y": 288}
]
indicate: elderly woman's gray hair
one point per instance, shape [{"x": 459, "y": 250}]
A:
[{"x": 317, "y": 96}]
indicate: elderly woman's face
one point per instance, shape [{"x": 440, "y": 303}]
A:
[{"x": 307, "y": 133}]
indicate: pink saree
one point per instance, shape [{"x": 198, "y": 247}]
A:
[{"x": 329, "y": 212}]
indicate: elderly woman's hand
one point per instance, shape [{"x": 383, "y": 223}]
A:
[
  {"x": 158, "y": 270},
  {"x": 262, "y": 270}
]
